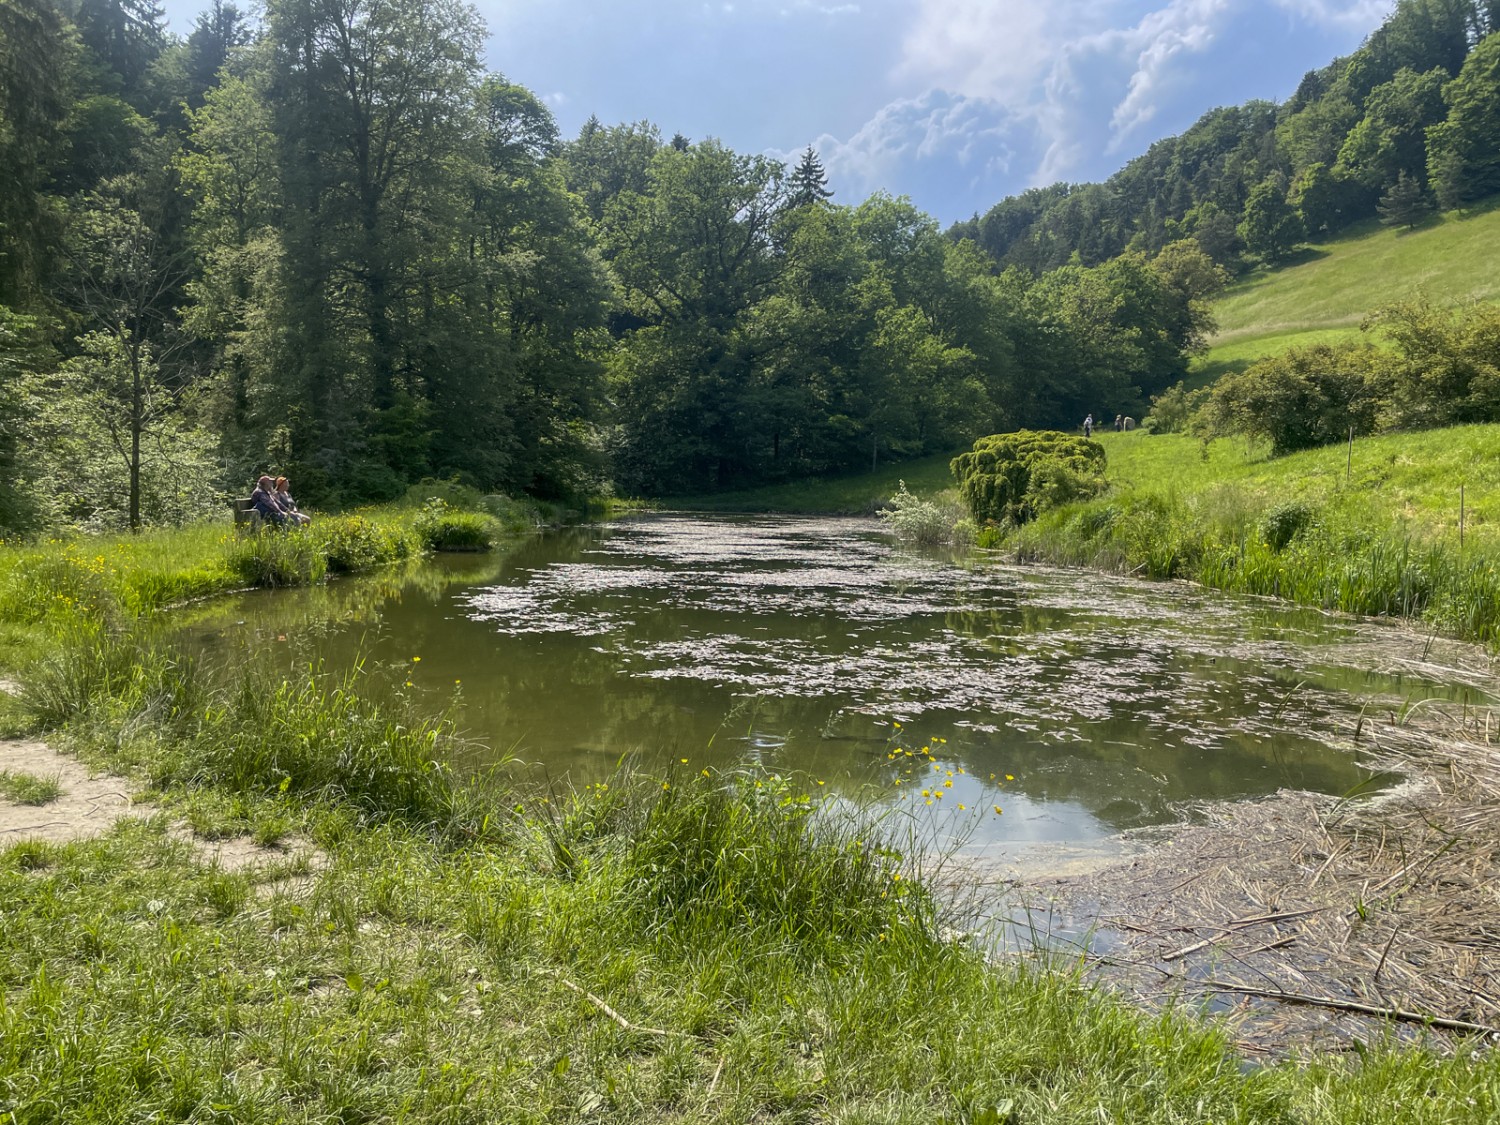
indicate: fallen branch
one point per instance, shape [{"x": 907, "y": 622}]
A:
[
  {"x": 1343, "y": 1006},
  {"x": 1238, "y": 924},
  {"x": 614, "y": 1015}
]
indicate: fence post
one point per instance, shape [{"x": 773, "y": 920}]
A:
[{"x": 1349, "y": 466}]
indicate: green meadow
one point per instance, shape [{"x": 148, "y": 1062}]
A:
[{"x": 1328, "y": 289}]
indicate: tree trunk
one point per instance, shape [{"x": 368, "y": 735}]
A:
[{"x": 137, "y": 410}]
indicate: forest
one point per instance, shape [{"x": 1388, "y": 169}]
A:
[
  {"x": 324, "y": 241},
  {"x": 1407, "y": 123}
]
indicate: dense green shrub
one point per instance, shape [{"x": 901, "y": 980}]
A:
[
  {"x": 1172, "y": 411},
  {"x": 441, "y": 528},
  {"x": 352, "y": 543},
  {"x": 1009, "y": 478},
  {"x": 1283, "y": 523},
  {"x": 1301, "y": 399}
]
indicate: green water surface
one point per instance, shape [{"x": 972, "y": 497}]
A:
[{"x": 1077, "y": 703}]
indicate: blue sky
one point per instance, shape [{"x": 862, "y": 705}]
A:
[{"x": 956, "y": 103}]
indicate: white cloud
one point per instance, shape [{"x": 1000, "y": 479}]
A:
[
  {"x": 972, "y": 134},
  {"x": 1068, "y": 65},
  {"x": 1340, "y": 13}
]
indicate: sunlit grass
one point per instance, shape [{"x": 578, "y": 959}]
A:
[
  {"x": 1378, "y": 525},
  {"x": 1326, "y": 291}
]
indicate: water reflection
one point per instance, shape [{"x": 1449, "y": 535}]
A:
[{"x": 796, "y": 644}]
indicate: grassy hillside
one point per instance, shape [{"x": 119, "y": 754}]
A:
[
  {"x": 1328, "y": 289},
  {"x": 1372, "y": 533}
]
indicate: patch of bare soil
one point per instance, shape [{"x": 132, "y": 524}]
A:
[
  {"x": 1323, "y": 923},
  {"x": 90, "y": 804}
]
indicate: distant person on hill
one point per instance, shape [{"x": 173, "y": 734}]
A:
[
  {"x": 264, "y": 501},
  {"x": 288, "y": 505},
  {"x": 1088, "y": 426},
  {"x": 1119, "y": 423}
]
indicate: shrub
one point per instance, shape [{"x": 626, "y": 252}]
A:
[
  {"x": 1055, "y": 482},
  {"x": 352, "y": 543},
  {"x": 277, "y": 558},
  {"x": 915, "y": 519},
  {"x": 1284, "y": 522},
  {"x": 1301, "y": 399},
  {"x": 1172, "y": 411},
  {"x": 443, "y": 529},
  {"x": 995, "y": 478}
]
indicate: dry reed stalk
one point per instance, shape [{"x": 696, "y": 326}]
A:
[{"x": 1379, "y": 909}]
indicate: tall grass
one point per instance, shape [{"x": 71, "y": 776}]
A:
[
  {"x": 138, "y": 705},
  {"x": 1370, "y": 532}
]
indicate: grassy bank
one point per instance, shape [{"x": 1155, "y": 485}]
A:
[
  {"x": 1327, "y": 289},
  {"x": 1377, "y": 533},
  {"x": 53, "y": 586},
  {"x": 682, "y": 948},
  {"x": 410, "y": 943}
]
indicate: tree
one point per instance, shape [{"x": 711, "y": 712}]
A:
[
  {"x": 1326, "y": 200},
  {"x": 123, "y": 280},
  {"x": 1303, "y": 398},
  {"x": 808, "y": 183},
  {"x": 1391, "y": 138},
  {"x": 693, "y": 255},
  {"x": 605, "y": 162},
  {"x": 1404, "y": 203},
  {"x": 218, "y": 31},
  {"x": 1270, "y": 225},
  {"x": 37, "y": 53},
  {"x": 1464, "y": 151},
  {"x": 373, "y": 109}
]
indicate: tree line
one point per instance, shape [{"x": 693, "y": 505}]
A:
[
  {"x": 327, "y": 241},
  {"x": 1409, "y": 121}
]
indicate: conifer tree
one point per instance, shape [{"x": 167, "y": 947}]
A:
[
  {"x": 808, "y": 183},
  {"x": 1404, "y": 203}
]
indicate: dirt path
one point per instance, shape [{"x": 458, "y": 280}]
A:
[{"x": 88, "y": 805}]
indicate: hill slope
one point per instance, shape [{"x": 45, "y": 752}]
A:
[{"x": 1331, "y": 287}]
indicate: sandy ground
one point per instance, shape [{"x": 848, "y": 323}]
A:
[{"x": 90, "y": 804}]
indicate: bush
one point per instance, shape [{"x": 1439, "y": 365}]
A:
[
  {"x": 1284, "y": 522},
  {"x": 996, "y": 477},
  {"x": 443, "y": 529},
  {"x": 926, "y": 522},
  {"x": 352, "y": 543},
  {"x": 1301, "y": 399},
  {"x": 271, "y": 557},
  {"x": 1055, "y": 482},
  {"x": 1172, "y": 411}
]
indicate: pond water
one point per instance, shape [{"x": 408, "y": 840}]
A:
[{"x": 1077, "y": 704}]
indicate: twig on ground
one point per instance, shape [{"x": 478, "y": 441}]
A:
[
  {"x": 1342, "y": 1006},
  {"x": 614, "y": 1015}
]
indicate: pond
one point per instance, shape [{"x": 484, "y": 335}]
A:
[{"x": 1075, "y": 704}]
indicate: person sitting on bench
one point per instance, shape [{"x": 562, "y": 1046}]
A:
[
  {"x": 265, "y": 503},
  {"x": 288, "y": 505}
]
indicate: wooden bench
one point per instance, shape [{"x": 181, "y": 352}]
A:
[{"x": 245, "y": 513}]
